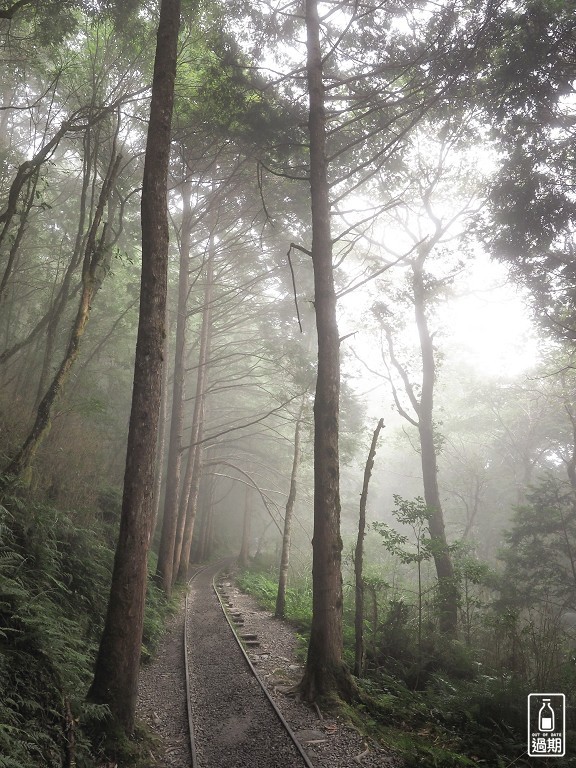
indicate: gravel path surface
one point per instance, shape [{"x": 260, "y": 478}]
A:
[
  {"x": 234, "y": 724},
  {"x": 162, "y": 698}
]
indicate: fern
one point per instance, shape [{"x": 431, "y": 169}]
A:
[
  {"x": 8, "y": 762},
  {"x": 54, "y": 581},
  {"x": 54, "y": 587}
]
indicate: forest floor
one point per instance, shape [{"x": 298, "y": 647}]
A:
[{"x": 329, "y": 740}]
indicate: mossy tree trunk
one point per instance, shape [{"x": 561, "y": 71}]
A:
[{"x": 95, "y": 267}]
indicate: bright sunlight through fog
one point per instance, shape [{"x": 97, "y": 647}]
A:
[{"x": 488, "y": 324}]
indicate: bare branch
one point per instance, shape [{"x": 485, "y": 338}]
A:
[
  {"x": 381, "y": 271},
  {"x": 304, "y": 250},
  {"x": 247, "y": 424},
  {"x": 405, "y": 380}
]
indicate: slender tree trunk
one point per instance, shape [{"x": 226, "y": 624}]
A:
[
  {"x": 62, "y": 295},
  {"x": 191, "y": 485},
  {"x": 359, "y": 558},
  {"x": 324, "y": 673},
  {"x": 447, "y": 588},
  {"x": 12, "y": 262},
  {"x": 570, "y": 462},
  {"x": 199, "y": 543},
  {"x": 374, "y": 619},
  {"x": 210, "y": 542},
  {"x": 205, "y": 548},
  {"x": 165, "y": 568},
  {"x": 116, "y": 674},
  {"x": 196, "y": 551},
  {"x": 287, "y": 534},
  {"x": 244, "y": 556},
  {"x": 190, "y": 517}
]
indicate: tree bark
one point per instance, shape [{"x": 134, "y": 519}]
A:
[
  {"x": 447, "y": 588},
  {"x": 162, "y": 430},
  {"x": 287, "y": 533},
  {"x": 324, "y": 674},
  {"x": 191, "y": 485},
  {"x": 359, "y": 558},
  {"x": 116, "y": 674},
  {"x": 244, "y": 555},
  {"x": 165, "y": 567},
  {"x": 190, "y": 516},
  {"x": 27, "y": 203}
]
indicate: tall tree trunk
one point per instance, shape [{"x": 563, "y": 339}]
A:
[
  {"x": 207, "y": 515},
  {"x": 324, "y": 673},
  {"x": 116, "y": 674},
  {"x": 244, "y": 555},
  {"x": 190, "y": 516},
  {"x": 196, "y": 551},
  {"x": 359, "y": 558},
  {"x": 162, "y": 429},
  {"x": 287, "y": 534},
  {"x": 165, "y": 567},
  {"x": 191, "y": 485},
  {"x": 447, "y": 588}
]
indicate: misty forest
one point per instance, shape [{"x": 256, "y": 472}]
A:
[{"x": 292, "y": 284}]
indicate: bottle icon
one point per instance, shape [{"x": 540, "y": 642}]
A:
[{"x": 546, "y": 716}]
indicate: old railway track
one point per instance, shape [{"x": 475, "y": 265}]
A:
[{"x": 233, "y": 722}]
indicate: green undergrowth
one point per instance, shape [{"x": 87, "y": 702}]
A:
[
  {"x": 455, "y": 713},
  {"x": 54, "y": 585},
  {"x": 446, "y": 724},
  {"x": 264, "y": 587}
]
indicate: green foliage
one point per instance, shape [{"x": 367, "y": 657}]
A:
[
  {"x": 218, "y": 93},
  {"x": 156, "y": 610},
  {"x": 540, "y": 555},
  {"x": 264, "y": 588},
  {"x": 479, "y": 721},
  {"x": 54, "y": 579},
  {"x": 414, "y": 514},
  {"x": 526, "y": 86},
  {"x": 54, "y": 584}
]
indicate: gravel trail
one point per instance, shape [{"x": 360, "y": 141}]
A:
[{"x": 234, "y": 723}]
